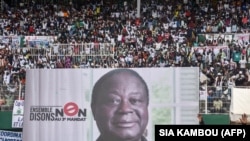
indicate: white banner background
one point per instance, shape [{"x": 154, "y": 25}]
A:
[
  {"x": 240, "y": 103},
  {"x": 172, "y": 101}
]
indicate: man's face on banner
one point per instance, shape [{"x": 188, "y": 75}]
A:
[{"x": 121, "y": 111}]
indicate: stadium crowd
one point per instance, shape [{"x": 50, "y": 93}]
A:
[{"x": 166, "y": 34}]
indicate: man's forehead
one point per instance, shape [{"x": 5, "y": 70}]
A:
[{"x": 116, "y": 82}]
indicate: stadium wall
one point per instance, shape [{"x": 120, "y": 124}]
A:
[
  {"x": 6, "y": 121},
  {"x": 216, "y": 119}
]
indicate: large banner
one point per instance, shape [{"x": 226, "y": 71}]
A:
[
  {"x": 17, "y": 114},
  {"x": 10, "y": 136},
  {"x": 75, "y": 104},
  {"x": 14, "y": 41},
  {"x": 239, "y": 37},
  {"x": 215, "y": 49},
  {"x": 39, "y": 41}
]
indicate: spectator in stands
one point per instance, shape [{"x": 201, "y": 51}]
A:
[
  {"x": 2, "y": 100},
  {"x": 218, "y": 85},
  {"x": 9, "y": 98},
  {"x": 120, "y": 106},
  {"x": 6, "y": 78},
  {"x": 240, "y": 79},
  {"x": 243, "y": 63},
  {"x": 217, "y": 104},
  {"x": 231, "y": 84}
]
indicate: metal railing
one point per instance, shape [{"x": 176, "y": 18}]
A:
[
  {"x": 215, "y": 100},
  {"x": 77, "y": 49},
  {"x": 79, "y": 54},
  {"x": 10, "y": 93}
]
